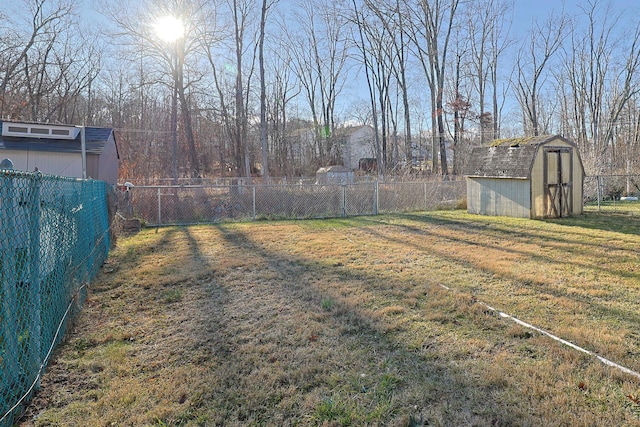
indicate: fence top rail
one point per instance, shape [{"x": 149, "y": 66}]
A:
[
  {"x": 13, "y": 173},
  {"x": 293, "y": 184},
  {"x": 623, "y": 175},
  {"x": 10, "y": 173}
]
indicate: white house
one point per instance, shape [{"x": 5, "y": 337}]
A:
[
  {"x": 359, "y": 143},
  {"x": 58, "y": 150},
  {"x": 349, "y": 144}
]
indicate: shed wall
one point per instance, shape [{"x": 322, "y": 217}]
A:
[
  {"x": 108, "y": 163},
  {"x": 498, "y": 196},
  {"x": 64, "y": 164},
  {"x": 578, "y": 184},
  {"x": 537, "y": 185},
  {"x": 358, "y": 146}
]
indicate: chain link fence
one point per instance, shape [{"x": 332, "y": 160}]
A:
[
  {"x": 212, "y": 202},
  {"x": 193, "y": 204},
  {"x": 612, "y": 193},
  {"x": 55, "y": 236}
]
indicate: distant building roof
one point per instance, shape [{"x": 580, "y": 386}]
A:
[{"x": 334, "y": 169}]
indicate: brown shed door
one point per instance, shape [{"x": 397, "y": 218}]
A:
[{"x": 558, "y": 180}]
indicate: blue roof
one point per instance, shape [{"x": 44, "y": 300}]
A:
[
  {"x": 97, "y": 134},
  {"x": 95, "y": 140}
]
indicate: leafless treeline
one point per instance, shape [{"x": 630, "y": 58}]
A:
[{"x": 267, "y": 86}]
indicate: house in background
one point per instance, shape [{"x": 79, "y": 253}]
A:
[
  {"x": 532, "y": 177},
  {"x": 358, "y": 143},
  {"x": 347, "y": 145},
  {"x": 57, "y": 150}
]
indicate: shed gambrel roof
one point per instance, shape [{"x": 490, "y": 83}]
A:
[
  {"x": 95, "y": 139},
  {"x": 334, "y": 169},
  {"x": 507, "y": 158}
]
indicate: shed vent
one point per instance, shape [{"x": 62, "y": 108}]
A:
[{"x": 39, "y": 131}]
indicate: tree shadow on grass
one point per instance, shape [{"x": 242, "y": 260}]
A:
[
  {"x": 505, "y": 235},
  {"x": 618, "y": 222},
  {"x": 266, "y": 335},
  {"x": 500, "y": 235},
  {"x": 323, "y": 358}
]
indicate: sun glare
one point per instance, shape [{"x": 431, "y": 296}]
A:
[{"x": 169, "y": 28}]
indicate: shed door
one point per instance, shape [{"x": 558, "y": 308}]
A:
[{"x": 558, "y": 180}]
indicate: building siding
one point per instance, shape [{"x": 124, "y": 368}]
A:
[
  {"x": 498, "y": 196},
  {"x": 537, "y": 185},
  {"x": 65, "y": 164},
  {"x": 108, "y": 163},
  {"x": 359, "y": 145}
]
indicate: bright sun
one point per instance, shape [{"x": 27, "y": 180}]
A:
[{"x": 169, "y": 28}]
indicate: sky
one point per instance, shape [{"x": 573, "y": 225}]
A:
[{"x": 526, "y": 10}]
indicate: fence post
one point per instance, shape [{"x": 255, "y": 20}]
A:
[
  {"x": 159, "y": 206},
  {"x": 376, "y": 200},
  {"x": 344, "y": 199},
  {"x": 35, "y": 279},
  {"x": 426, "y": 198},
  {"x": 254, "y": 200},
  {"x": 599, "y": 191}
]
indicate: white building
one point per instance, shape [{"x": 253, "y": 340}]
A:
[
  {"x": 58, "y": 150},
  {"x": 358, "y": 143}
]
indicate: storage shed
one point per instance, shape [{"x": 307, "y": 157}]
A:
[
  {"x": 532, "y": 177},
  {"x": 334, "y": 175},
  {"x": 57, "y": 149}
]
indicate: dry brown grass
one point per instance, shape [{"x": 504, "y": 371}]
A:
[{"x": 345, "y": 322}]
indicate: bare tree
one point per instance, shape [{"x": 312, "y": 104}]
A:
[
  {"x": 368, "y": 65},
  {"x": 601, "y": 70},
  {"x": 499, "y": 42},
  {"x": 432, "y": 24},
  {"x": 176, "y": 58},
  {"x": 460, "y": 104},
  {"x": 223, "y": 85},
  {"x": 282, "y": 90},
  {"x": 391, "y": 19},
  {"x": 532, "y": 61},
  {"x": 319, "y": 56},
  {"x": 380, "y": 53},
  {"x": 263, "y": 94},
  {"x": 486, "y": 25},
  {"x": 26, "y": 50},
  {"x": 241, "y": 12}
]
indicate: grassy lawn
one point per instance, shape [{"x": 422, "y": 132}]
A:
[
  {"x": 619, "y": 206},
  {"x": 348, "y": 322}
]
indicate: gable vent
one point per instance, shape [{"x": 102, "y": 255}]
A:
[{"x": 39, "y": 131}]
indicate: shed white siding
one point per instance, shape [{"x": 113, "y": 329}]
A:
[
  {"x": 499, "y": 197},
  {"x": 66, "y": 164}
]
